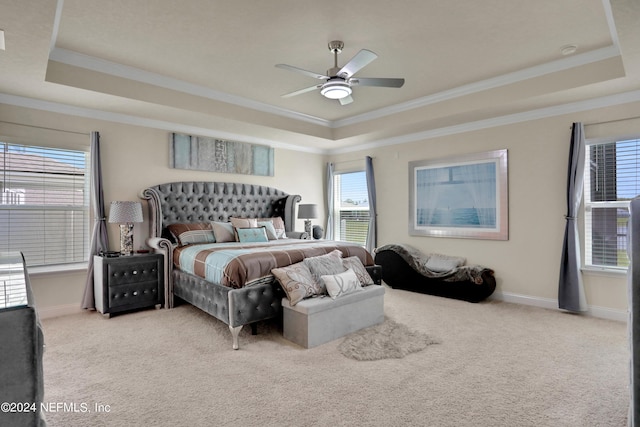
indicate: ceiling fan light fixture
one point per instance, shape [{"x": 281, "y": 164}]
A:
[{"x": 335, "y": 89}]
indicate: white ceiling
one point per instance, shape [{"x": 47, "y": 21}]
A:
[{"x": 207, "y": 66}]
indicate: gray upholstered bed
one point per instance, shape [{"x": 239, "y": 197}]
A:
[{"x": 198, "y": 202}]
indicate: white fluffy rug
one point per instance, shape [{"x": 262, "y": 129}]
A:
[{"x": 388, "y": 340}]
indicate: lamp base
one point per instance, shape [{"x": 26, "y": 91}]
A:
[
  {"x": 307, "y": 228},
  {"x": 126, "y": 239}
]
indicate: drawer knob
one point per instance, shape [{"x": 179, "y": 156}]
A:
[
  {"x": 134, "y": 272},
  {"x": 135, "y": 293}
]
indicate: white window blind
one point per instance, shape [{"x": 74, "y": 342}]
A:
[
  {"x": 351, "y": 204},
  {"x": 612, "y": 179},
  {"x": 44, "y": 208}
]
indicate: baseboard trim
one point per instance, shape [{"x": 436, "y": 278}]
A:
[
  {"x": 59, "y": 310},
  {"x": 552, "y": 304}
]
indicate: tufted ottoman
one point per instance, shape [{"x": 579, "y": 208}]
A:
[{"x": 316, "y": 321}]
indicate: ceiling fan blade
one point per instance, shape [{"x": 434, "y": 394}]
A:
[
  {"x": 346, "y": 100},
  {"x": 305, "y": 72},
  {"x": 301, "y": 91},
  {"x": 374, "y": 81},
  {"x": 359, "y": 61}
]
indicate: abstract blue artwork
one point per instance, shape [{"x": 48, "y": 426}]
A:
[
  {"x": 460, "y": 197},
  {"x": 217, "y": 155}
]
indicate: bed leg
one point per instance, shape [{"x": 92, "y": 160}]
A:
[{"x": 235, "y": 331}]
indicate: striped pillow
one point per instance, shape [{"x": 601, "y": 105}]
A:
[{"x": 186, "y": 234}]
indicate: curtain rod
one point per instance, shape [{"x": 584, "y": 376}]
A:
[
  {"x": 352, "y": 161},
  {"x": 46, "y": 128}
]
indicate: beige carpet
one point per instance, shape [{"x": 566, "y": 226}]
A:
[{"x": 497, "y": 364}]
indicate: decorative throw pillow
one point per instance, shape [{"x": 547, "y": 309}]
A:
[
  {"x": 278, "y": 225},
  {"x": 322, "y": 265},
  {"x": 185, "y": 234},
  {"x": 244, "y": 222},
  {"x": 252, "y": 235},
  {"x": 269, "y": 228},
  {"x": 354, "y": 263},
  {"x": 340, "y": 284},
  {"x": 223, "y": 231},
  {"x": 296, "y": 281}
]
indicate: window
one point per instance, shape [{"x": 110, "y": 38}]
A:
[
  {"x": 612, "y": 179},
  {"x": 351, "y": 205},
  {"x": 44, "y": 208}
]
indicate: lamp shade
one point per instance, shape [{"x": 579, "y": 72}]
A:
[
  {"x": 125, "y": 212},
  {"x": 307, "y": 211}
]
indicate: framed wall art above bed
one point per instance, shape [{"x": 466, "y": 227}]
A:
[{"x": 463, "y": 196}]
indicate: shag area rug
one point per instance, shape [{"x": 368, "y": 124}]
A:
[{"x": 388, "y": 340}]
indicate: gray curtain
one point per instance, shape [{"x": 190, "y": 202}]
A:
[
  {"x": 372, "y": 235},
  {"x": 633, "y": 325},
  {"x": 329, "y": 234},
  {"x": 99, "y": 238},
  {"x": 571, "y": 290}
]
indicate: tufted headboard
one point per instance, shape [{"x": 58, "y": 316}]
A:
[{"x": 194, "y": 201}]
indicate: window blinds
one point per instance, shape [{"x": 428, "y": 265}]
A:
[
  {"x": 612, "y": 172},
  {"x": 44, "y": 204},
  {"x": 352, "y": 207}
]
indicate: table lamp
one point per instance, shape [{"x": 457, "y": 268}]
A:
[
  {"x": 307, "y": 212},
  {"x": 125, "y": 214}
]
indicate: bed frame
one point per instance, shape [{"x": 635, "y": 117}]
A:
[{"x": 184, "y": 202}]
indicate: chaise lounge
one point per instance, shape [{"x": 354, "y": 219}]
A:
[{"x": 405, "y": 267}]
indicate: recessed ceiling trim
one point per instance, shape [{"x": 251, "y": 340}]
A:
[
  {"x": 97, "y": 64},
  {"x": 90, "y": 113},
  {"x": 541, "y": 113},
  {"x": 88, "y": 62},
  {"x": 56, "y": 25},
  {"x": 575, "y": 107},
  {"x": 482, "y": 85},
  {"x": 613, "y": 32}
]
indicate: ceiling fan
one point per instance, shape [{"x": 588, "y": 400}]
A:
[{"x": 339, "y": 81}]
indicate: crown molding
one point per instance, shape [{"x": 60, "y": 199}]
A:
[
  {"x": 93, "y": 63},
  {"x": 558, "y": 110},
  {"x": 574, "y": 107},
  {"x": 127, "y": 119},
  {"x": 119, "y": 70},
  {"x": 483, "y": 85}
]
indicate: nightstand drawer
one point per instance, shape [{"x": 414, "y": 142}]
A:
[
  {"x": 128, "y": 282},
  {"x": 134, "y": 294},
  {"x": 133, "y": 272}
]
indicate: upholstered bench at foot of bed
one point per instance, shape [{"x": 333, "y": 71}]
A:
[{"x": 316, "y": 321}]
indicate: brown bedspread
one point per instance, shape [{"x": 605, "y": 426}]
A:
[{"x": 241, "y": 264}]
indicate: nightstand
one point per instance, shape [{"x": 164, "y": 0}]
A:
[{"x": 128, "y": 282}]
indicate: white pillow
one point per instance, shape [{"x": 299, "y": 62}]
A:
[
  {"x": 356, "y": 265},
  {"x": 340, "y": 284}
]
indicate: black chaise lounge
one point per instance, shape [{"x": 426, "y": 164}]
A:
[{"x": 404, "y": 267}]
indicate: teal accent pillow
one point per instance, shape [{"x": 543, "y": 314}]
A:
[{"x": 252, "y": 235}]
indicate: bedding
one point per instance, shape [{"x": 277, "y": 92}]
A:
[{"x": 237, "y": 264}]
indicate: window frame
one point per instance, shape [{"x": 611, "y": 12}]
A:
[
  {"x": 589, "y": 206},
  {"x": 338, "y": 209},
  {"x": 73, "y": 206}
]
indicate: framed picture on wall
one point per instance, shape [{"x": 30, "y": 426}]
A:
[{"x": 463, "y": 196}]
